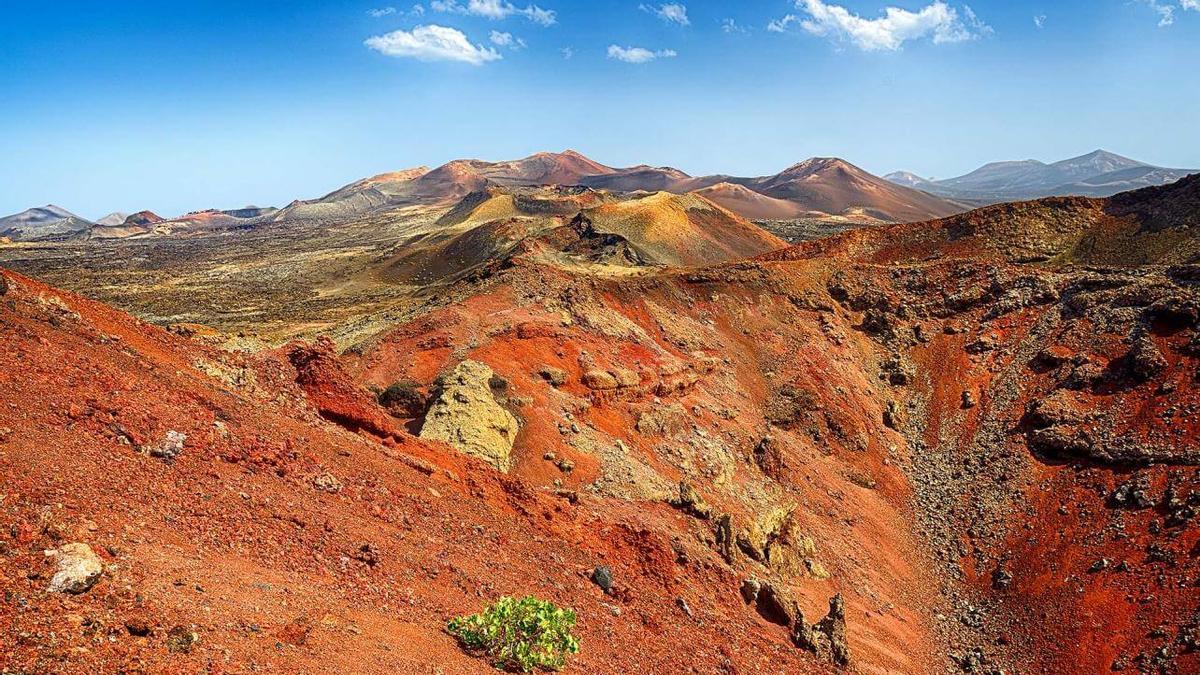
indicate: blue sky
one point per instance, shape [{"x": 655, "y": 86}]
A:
[{"x": 176, "y": 106}]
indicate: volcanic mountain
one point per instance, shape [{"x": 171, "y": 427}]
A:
[
  {"x": 835, "y": 187},
  {"x": 114, "y": 218},
  {"x": 46, "y": 222},
  {"x": 816, "y": 188},
  {"x": 355, "y": 199},
  {"x": 1096, "y": 174}
]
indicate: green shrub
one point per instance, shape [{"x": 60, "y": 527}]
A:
[{"x": 528, "y": 633}]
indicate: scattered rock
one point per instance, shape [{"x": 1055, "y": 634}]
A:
[
  {"x": 769, "y": 457},
  {"x": 723, "y": 533},
  {"x": 668, "y": 420},
  {"x": 826, "y": 639},
  {"x": 467, "y": 416},
  {"x": 78, "y": 569},
  {"x": 750, "y": 589},
  {"x": 626, "y": 377},
  {"x": 1132, "y": 494},
  {"x": 968, "y": 400},
  {"x": 181, "y": 639},
  {"x": 1001, "y": 578},
  {"x": 1144, "y": 359},
  {"x": 169, "y": 448},
  {"x": 602, "y": 577},
  {"x": 327, "y": 482},
  {"x": 599, "y": 379},
  {"x": 684, "y": 606},
  {"x": 891, "y": 415},
  {"x": 690, "y": 501},
  {"x": 557, "y": 377},
  {"x": 774, "y": 605},
  {"x": 138, "y": 626},
  {"x": 367, "y": 554}
]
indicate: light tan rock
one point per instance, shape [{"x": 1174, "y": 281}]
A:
[
  {"x": 467, "y": 417},
  {"x": 599, "y": 379},
  {"x": 78, "y": 569}
]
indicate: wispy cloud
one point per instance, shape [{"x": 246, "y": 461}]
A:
[
  {"x": 506, "y": 40},
  {"x": 672, "y": 12},
  {"x": 781, "y": 24},
  {"x": 1039, "y": 20},
  {"x": 496, "y": 9},
  {"x": 432, "y": 43},
  {"x": 638, "y": 54},
  {"x": 381, "y": 12},
  {"x": 1166, "y": 10},
  {"x": 731, "y": 26},
  {"x": 567, "y": 53},
  {"x": 938, "y": 22}
]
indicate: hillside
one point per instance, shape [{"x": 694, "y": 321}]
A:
[
  {"x": 680, "y": 230},
  {"x": 750, "y": 204},
  {"x": 1156, "y": 225}
]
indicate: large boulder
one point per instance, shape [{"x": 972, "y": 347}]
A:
[
  {"x": 78, "y": 569},
  {"x": 467, "y": 416}
]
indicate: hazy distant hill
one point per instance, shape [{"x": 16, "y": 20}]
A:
[
  {"x": 1096, "y": 174},
  {"x": 46, "y": 222}
]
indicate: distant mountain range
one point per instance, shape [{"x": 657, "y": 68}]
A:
[
  {"x": 1096, "y": 174},
  {"x": 820, "y": 189}
]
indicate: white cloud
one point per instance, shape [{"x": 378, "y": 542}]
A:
[
  {"x": 506, "y": 40},
  {"x": 567, "y": 53},
  {"x": 1190, "y": 4},
  {"x": 1166, "y": 12},
  {"x": 1039, "y": 20},
  {"x": 417, "y": 10},
  {"x": 381, "y": 12},
  {"x": 731, "y": 26},
  {"x": 432, "y": 43},
  {"x": 638, "y": 54},
  {"x": 496, "y": 10},
  {"x": 781, "y": 25},
  {"x": 672, "y": 12},
  {"x": 937, "y": 21}
]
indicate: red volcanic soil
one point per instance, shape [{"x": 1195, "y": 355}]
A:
[{"x": 235, "y": 541}]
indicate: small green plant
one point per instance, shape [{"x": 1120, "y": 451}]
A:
[{"x": 526, "y": 634}]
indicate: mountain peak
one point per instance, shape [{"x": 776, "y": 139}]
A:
[
  {"x": 816, "y": 165},
  {"x": 1101, "y": 158}
]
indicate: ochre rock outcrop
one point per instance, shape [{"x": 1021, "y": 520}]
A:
[{"x": 467, "y": 416}]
